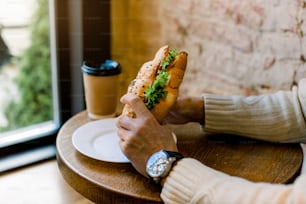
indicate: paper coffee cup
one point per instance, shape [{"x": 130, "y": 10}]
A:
[{"x": 101, "y": 88}]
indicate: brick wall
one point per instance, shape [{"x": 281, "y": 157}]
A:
[{"x": 235, "y": 47}]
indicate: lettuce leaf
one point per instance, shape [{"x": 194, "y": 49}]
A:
[{"x": 156, "y": 91}]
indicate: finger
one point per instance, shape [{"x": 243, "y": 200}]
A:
[
  {"x": 123, "y": 134},
  {"x": 120, "y": 122},
  {"x": 125, "y": 122},
  {"x": 123, "y": 147},
  {"x": 120, "y": 134},
  {"x": 136, "y": 104}
]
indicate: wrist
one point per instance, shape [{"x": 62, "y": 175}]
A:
[
  {"x": 160, "y": 164},
  {"x": 197, "y": 109},
  {"x": 191, "y": 108}
]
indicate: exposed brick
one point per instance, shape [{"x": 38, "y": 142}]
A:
[
  {"x": 283, "y": 45},
  {"x": 235, "y": 47}
]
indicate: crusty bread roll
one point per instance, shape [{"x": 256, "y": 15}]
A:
[{"x": 157, "y": 82}]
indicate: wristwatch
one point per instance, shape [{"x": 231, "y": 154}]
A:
[{"x": 160, "y": 163}]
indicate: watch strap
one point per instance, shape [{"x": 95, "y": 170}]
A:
[
  {"x": 177, "y": 155},
  {"x": 173, "y": 157}
]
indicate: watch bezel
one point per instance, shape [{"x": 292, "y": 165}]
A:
[{"x": 163, "y": 157}]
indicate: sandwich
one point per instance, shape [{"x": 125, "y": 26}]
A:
[{"x": 157, "y": 82}]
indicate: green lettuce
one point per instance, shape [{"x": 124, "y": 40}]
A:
[{"x": 156, "y": 91}]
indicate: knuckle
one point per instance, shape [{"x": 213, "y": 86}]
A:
[{"x": 134, "y": 99}]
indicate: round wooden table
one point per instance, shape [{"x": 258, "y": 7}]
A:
[{"x": 106, "y": 182}]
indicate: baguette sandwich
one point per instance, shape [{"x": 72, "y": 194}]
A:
[{"x": 157, "y": 82}]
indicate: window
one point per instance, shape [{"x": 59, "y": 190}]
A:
[
  {"x": 29, "y": 102},
  {"x": 75, "y": 30}
]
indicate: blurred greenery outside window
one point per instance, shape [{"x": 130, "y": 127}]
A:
[{"x": 31, "y": 101}]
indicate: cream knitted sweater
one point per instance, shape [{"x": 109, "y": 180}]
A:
[{"x": 276, "y": 117}]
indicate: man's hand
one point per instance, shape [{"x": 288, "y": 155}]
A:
[{"x": 143, "y": 135}]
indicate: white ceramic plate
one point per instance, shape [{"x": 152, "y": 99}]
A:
[{"x": 99, "y": 140}]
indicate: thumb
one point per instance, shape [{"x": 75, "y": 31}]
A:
[{"x": 136, "y": 103}]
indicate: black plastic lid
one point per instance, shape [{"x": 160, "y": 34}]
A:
[{"x": 107, "y": 68}]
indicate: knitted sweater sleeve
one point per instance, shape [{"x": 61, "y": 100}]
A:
[
  {"x": 192, "y": 182},
  {"x": 278, "y": 117}
]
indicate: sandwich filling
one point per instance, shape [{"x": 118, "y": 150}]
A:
[{"x": 155, "y": 92}]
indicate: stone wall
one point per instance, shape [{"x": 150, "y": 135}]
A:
[{"x": 235, "y": 47}]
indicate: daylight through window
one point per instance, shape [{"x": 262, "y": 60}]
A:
[{"x": 28, "y": 86}]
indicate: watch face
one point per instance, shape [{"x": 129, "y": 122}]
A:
[{"x": 157, "y": 164}]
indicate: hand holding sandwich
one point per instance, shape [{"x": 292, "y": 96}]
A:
[
  {"x": 150, "y": 97},
  {"x": 142, "y": 136}
]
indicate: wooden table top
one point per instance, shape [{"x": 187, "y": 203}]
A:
[{"x": 106, "y": 182}]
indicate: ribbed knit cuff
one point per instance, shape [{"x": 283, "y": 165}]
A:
[
  {"x": 219, "y": 111},
  {"x": 185, "y": 182}
]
